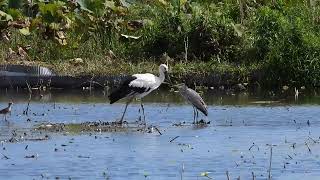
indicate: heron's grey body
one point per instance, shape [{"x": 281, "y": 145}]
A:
[{"x": 194, "y": 99}]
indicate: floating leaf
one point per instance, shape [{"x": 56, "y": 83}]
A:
[
  {"x": 206, "y": 174},
  {"x": 145, "y": 174},
  {"x": 25, "y": 31}
]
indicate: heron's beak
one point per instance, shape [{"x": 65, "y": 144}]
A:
[{"x": 167, "y": 77}]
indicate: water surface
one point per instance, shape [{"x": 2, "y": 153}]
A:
[{"x": 242, "y": 128}]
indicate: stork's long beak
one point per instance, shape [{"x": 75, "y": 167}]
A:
[{"x": 167, "y": 77}]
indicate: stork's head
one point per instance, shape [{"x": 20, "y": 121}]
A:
[{"x": 164, "y": 69}]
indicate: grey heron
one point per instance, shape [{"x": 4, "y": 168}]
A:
[
  {"x": 138, "y": 86},
  {"x": 6, "y": 110},
  {"x": 194, "y": 99}
]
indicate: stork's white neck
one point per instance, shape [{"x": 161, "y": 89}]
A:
[
  {"x": 161, "y": 76},
  {"x": 9, "y": 107}
]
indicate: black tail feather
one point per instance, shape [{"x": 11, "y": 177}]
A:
[
  {"x": 122, "y": 91},
  {"x": 117, "y": 95}
]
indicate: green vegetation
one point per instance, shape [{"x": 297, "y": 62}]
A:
[{"x": 279, "y": 40}]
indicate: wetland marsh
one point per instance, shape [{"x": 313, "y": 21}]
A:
[{"x": 242, "y": 128}]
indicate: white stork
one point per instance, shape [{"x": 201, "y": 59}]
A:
[{"x": 138, "y": 86}]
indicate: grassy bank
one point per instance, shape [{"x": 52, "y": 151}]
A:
[{"x": 278, "y": 40}]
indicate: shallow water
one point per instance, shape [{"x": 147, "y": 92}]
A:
[{"x": 226, "y": 144}]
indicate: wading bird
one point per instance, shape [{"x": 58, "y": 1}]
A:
[
  {"x": 194, "y": 99},
  {"x": 6, "y": 110},
  {"x": 138, "y": 86}
]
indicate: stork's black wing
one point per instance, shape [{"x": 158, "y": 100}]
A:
[{"x": 125, "y": 90}]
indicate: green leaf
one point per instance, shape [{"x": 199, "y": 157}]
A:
[
  {"x": 6, "y": 16},
  {"x": 205, "y": 174},
  {"x": 238, "y": 28},
  {"x": 25, "y": 31},
  {"x": 80, "y": 18},
  {"x": 51, "y": 12},
  {"x": 178, "y": 3},
  {"x": 125, "y": 4},
  {"x": 183, "y": 2},
  {"x": 110, "y": 4},
  {"x": 84, "y": 6},
  {"x": 163, "y": 2},
  {"x": 54, "y": 26},
  {"x": 15, "y": 13},
  {"x": 92, "y": 6}
]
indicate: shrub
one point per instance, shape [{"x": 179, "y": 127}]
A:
[
  {"x": 209, "y": 29},
  {"x": 289, "y": 45}
]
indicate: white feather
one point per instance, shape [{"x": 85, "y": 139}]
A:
[
  {"x": 148, "y": 81},
  {"x": 145, "y": 80}
]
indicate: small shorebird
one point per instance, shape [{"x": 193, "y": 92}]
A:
[
  {"x": 194, "y": 99},
  {"x": 138, "y": 86},
  {"x": 6, "y": 110}
]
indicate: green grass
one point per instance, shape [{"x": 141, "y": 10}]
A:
[{"x": 280, "y": 40}]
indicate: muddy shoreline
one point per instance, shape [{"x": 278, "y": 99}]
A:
[
  {"x": 213, "y": 81},
  {"x": 21, "y": 76}
]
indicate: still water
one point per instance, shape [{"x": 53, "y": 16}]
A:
[{"x": 238, "y": 139}]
